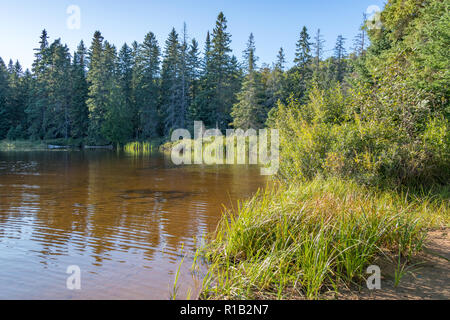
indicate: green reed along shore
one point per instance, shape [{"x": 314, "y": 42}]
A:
[
  {"x": 22, "y": 145},
  {"x": 136, "y": 147},
  {"x": 304, "y": 240}
]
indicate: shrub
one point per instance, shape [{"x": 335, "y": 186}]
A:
[{"x": 370, "y": 142}]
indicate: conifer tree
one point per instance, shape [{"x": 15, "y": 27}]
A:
[
  {"x": 171, "y": 86},
  {"x": 303, "y": 50},
  {"x": 193, "y": 70},
  {"x": 37, "y": 107},
  {"x": 249, "y": 54},
  {"x": 79, "y": 113},
  {"x": 250, "y": 112},
  {"x": 184, "y": 75},
  {"x": 299, "y": 77},
  {"x": 360, "y": 42},
  {"x": 318, "y": 49},
  {"x": 97, "y": 77},
  {"x": 4, "y": 88},
  {"x": 201, "y": 108},
  {"x": 223, "y": 74},
  {"x": 275, "y": 83},
  {"x": 281, "y": 60},
  {"x": 339, "y": 58},
  {"x": 57, "y": 124},
  {"x": 125, "y": 73},
  {"x": 116, "y": 125},
  {"x": 146, "y": 87}
]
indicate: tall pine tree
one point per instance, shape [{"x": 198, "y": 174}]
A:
[
  {"x": 250, "y": 111},
  {"x": 146, "y": 87}
]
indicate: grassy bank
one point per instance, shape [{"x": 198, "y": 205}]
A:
[
  {"x": 303, "y": 240},
  {"x": 22, "y": 145}
]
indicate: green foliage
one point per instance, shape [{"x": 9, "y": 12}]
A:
[
  {"x": 220, "y": 82},
  {"x": 173, "y": 105},
  {"x": 117, "y": 126},
  {"x": 389, "y": 126},
  {"x": 79, "y": 113},
  {"x": 145, "y": 87}
]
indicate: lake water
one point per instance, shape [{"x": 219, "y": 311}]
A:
[{"x": 122, "y": 219}]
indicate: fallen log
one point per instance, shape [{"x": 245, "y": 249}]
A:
[{"x": 57, "y": 147}]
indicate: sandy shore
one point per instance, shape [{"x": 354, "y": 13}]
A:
[{"x": 427, "y": 277}]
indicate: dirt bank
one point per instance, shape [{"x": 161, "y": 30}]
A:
[{"x": 427, "y": 276}]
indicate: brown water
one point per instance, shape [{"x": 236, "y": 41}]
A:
[{"x": 122, "y": 219}]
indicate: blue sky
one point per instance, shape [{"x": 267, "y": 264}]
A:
[{"x": 274, "y": 23}]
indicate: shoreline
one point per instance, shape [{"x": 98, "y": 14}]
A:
[{"x": 42, "y": 145}]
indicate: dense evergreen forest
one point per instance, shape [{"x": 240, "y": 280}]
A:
[
  {"x": 101, "y": 95},
  {"x": 380, "y": 110}
]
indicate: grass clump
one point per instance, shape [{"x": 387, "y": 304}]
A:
[
  {"x": 138, "y": 148},
  {"x": 300, "y": 241},
  {"x": 145, "y": 147}
]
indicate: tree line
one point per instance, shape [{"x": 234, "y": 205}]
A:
[{"x": 100, "y": 95}]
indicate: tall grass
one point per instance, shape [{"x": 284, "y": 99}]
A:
[
  {"x": 138, "y": 148},
  {"x": 214, "y": 149},
  {"x": 302, "y": 240}
]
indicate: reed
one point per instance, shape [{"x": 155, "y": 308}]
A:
[
  {"x": 138, "y": 148},
  {"x": 301, "y": 241}
]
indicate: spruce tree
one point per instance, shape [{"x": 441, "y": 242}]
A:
[
  {"x": 250, "y": 58},
  {"x": 16, "y": 101},
  {"x": 318, "y": 49},
  {"x": 79, "y": 113},
  {"x": 125, "y": 73},
  {"x": 193, "y": 70},
  {"x": 57, "y": 124},
  {"x": 171, "y": 86},
  {"x": 299, "y": 77},
  {"x": 184, "y": 75},
  {"x": 281, "y": 60},
  {"x": 201, "y": 108},
  {"x": 37, "y": 106},
  {"x": 303, "y": 50},
  {"x": 97, "y": 77},
  {"x": 4, "y": 91},
  {"x": 223, "y": 74},
  {"x": 116, "y": 125},
  {"x": 146, "y": 87},
  {"x": 250, "y": 112},
  {"x": 339, "y": 58},
  {"x": 276, "y": 83}
]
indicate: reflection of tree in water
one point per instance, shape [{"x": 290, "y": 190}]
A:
[{"x": 94, "y": 207}]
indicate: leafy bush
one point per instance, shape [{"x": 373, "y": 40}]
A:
[{"x": 370, "y": 134}]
